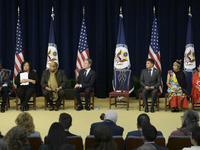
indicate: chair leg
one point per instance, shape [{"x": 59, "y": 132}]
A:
[
  {"x": 74, "y": 102},
  {"x": 16, "y": 102},
  {"x": 34, "y": 101},
  {"x": 115, "y": 102},
  {"x": 139, "y": 102},
  {"x": 63, "y": 103},
  {"x": 45, "y": 103},
  {"x": 127, "y": 103},
  {"x": 158, "y": 103},
  {"x": 165, "y": 102},
  {"x": 109, "y": 101}
]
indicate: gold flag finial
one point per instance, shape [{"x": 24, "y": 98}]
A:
[
  {"x": 189, "y": 11},
  {"x": 154, "y": 9},
  {"x": 83, "y": 11},
  {"x": 18, "y": 10},
  {"x": 52, "y": 13},
  {"x": 121, "y": 14}
]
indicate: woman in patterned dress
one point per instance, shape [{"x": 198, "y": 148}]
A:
[{"x": 176, "y": 83}]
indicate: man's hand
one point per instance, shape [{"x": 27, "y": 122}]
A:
[
  {"x": 48, "y": 89},
  {"x": 24, "y": 80},
  {"x": 58, "y": 89},
  {"x": 77, "y": 86},
  {"x": 0, "y": 88},
  {"x": 146, "y": 87},
  {"x": 152, "y": 87}
]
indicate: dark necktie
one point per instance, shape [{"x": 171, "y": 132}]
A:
[
  {"x": 149, "y": 71},
  {"x": 85, "y": 74}
]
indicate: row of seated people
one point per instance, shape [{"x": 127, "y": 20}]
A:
[
  {"x": 145, "y": 130},
  {"x": 53, "y": 82},
  {"x": 150, "y": 80}
]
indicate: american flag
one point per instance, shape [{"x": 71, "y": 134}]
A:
[
  {"x": 83, "y": 51},
  {"x": 19, "y": 55},
  {"x": 154, "y": 52}
]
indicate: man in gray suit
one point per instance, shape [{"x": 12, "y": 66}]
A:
[{"x": 150, "y": 81}]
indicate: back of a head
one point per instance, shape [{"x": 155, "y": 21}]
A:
[
  {"x": 3, "y": 145},
  {"x": 66, "y": 120},
  {"x": 196, "y": 135},
  {"x": 190, "y": 120},
  {"x": 103, "y": 139},
  {"x": 149, "y": 132},
  {"x": 111, "y": 115},
  {"x": 16, "y": 138},
  {"x": 25, "y": 120},
  {"x": 147, "y": 146},
  {"x": 143, "y": 119},
  {"x": 56, "y": 136}
]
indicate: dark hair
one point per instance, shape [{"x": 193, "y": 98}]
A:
[
  {"x": 89, "y": 61},
  {"x": 102, "y": 116},
  {"x": 3, "y": 145},
  {"x": 150, "y": 60},
  {"x": 103, "y": 139},
  {"x": 196, "y": 135},
  {"x": 143, "y": 119},
  {"x": 22, "y": 66},
  {"x": 66, "y": 120},
  {"x": 190, "y": 120},
  {"x": 149, "y": 132},
  {"x": 16, "y": 138},
  {"x": 56, "y": 136}
]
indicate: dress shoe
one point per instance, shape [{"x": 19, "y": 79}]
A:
[
  {"x": 152, "y": 110},
  {"x": 51, "y": 108},
  {"x": 87, "y": 108},
  {"x": 146, "y": 110},
  {"x": 56, "y": 108},
  {"x": 79, "y": 108},
  {"x": 2, "y": 110},
  {"x": 26, "y": 108}
]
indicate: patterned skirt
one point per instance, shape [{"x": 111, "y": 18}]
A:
[{"x": 178, "y": 100}]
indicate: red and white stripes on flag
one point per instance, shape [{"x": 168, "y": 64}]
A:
[
  {"x": 83, "y": 51},
  {"x": 154, "y": 52},
  {"x": 19, "y": 55}
]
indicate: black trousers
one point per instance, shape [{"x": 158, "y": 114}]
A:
[
  {"x": 48, "y": 95},
  {"x": 87, "y": 92},
  {"x": 25, "y": 93},
  {"x": 4, "y": 93},
  {"x": 153, "y": 96}
]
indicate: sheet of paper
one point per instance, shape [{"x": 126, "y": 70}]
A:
[{"x": 24, "y": 75}]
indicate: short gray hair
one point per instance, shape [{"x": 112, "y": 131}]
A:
[{"x": 111, "y": 115}]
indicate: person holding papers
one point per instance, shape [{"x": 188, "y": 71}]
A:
[{"x": 26, "y": 82}]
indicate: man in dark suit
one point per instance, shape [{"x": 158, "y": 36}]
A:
[
  {"x": 150, "y": 80},
  {"x": 110, "y": 122},
  {"x": 85, "y": 83},
  {"x": 66, "y": 120},
  {"x": 149, "y": 134},
  {"x": 143, "y": 119},
  {"x": 54, "y": 83}
]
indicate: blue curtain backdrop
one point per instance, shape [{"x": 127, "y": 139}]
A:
[{"x": 102, "y": 17}]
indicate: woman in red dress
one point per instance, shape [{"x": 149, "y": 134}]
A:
[{"x": 196, "y": 86}]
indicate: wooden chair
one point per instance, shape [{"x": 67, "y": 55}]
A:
[
  {"x": 89, "y": 141},
  {"x": 73, "y": 140},
  {"x": 134, "y": 142},
  {"x": 121, "y": 82},
  {"x": 178, "y": 142},
  {"x": 46, "y": 103},
  {"x": 156, "y": 104},
  {"x": 31, "y": 102},
  {"x": 91, "y": 101},
  {"x": 34, "y": 142},
  {"x": 167, "y": 105},
  {"x": 82, "y": 95}
]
